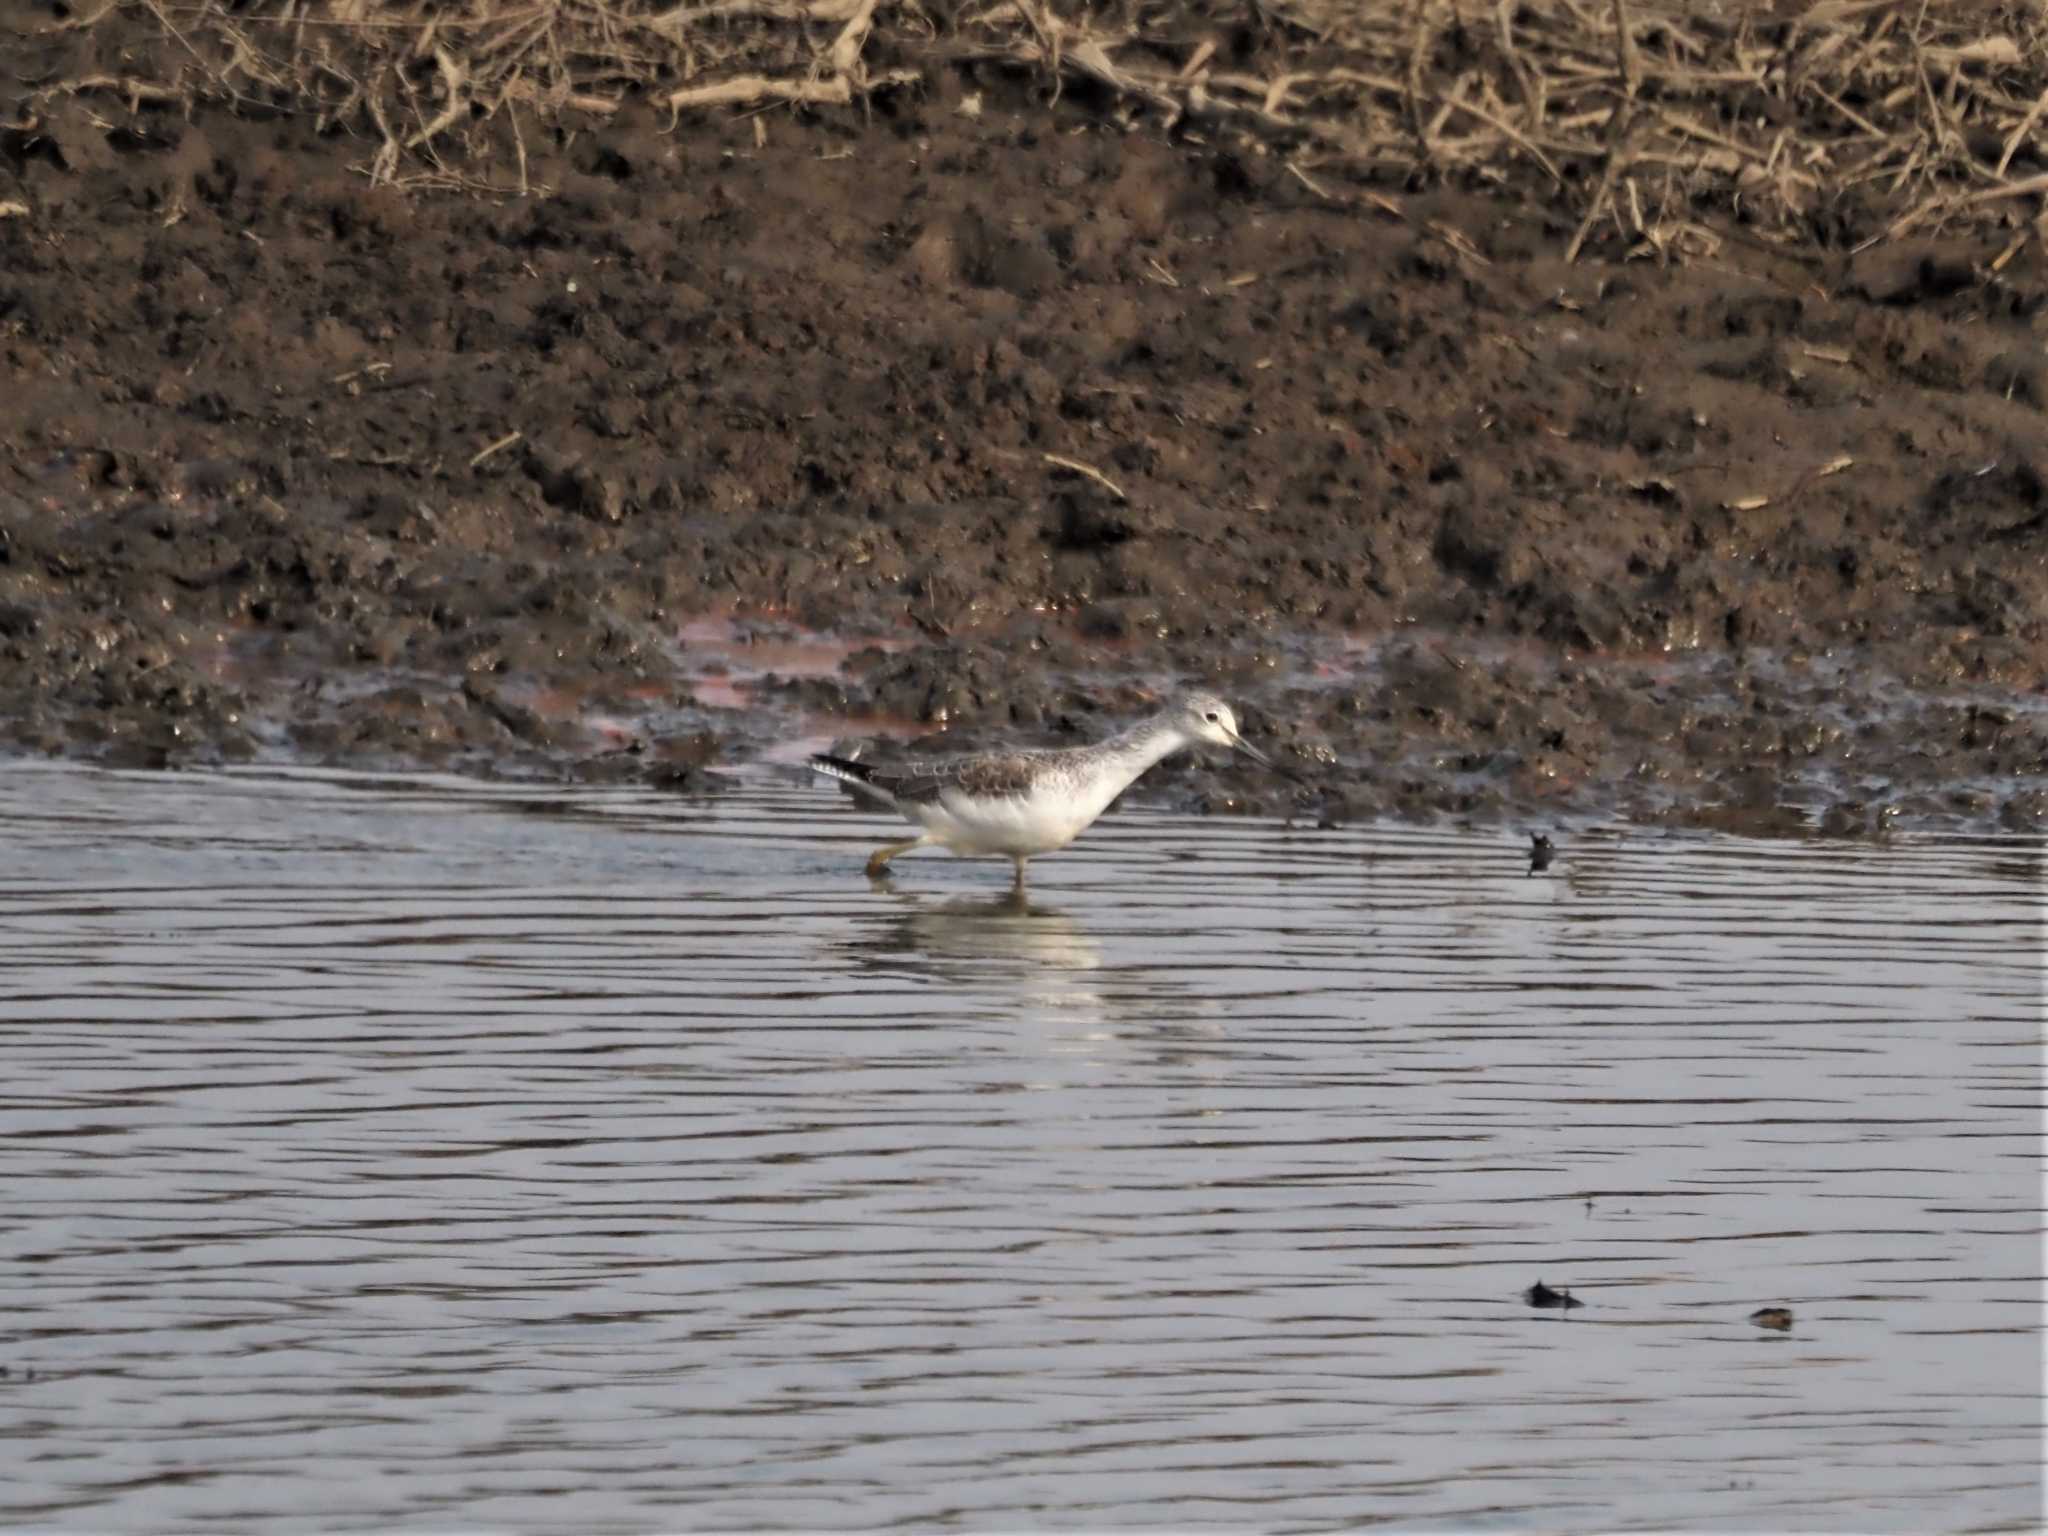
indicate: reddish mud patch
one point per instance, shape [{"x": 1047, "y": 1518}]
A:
[
  {"x": 783, "y": 683},
  {"x": 260, "y": 493}
]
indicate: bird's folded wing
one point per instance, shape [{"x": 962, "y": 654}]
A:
[{"x": 986, "y": 774}]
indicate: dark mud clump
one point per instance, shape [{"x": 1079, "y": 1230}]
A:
[{"x": 294, "y": 465}]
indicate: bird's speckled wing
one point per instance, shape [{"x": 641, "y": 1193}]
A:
[{"x": 922, "y": 780}]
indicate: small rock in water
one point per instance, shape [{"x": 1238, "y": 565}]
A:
[
  {"x": 1541, "y": 1295},
  {"x": 1779, "y": 1318}
]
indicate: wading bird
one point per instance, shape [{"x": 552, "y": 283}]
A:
[{"x": 1023, "y": 803}]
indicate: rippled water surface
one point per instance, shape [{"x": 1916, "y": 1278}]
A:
[{"x": 389, "y": 1154}]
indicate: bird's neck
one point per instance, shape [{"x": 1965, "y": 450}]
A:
[
  {"x": 1148, "y": 742},
  {"x": 1128, "y": 754}
]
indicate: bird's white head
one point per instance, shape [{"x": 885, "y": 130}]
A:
[{"x": 1204, "y": 717}]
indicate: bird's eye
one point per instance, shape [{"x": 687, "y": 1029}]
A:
[{"x": 1210, "y": 717}]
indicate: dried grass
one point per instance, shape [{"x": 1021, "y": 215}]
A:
[{"x": 1836, "y": 118}]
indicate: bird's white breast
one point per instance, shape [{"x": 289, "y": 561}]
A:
[{"x": 1049, "y": 817}]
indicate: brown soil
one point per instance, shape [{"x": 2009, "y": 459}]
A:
[{"x": 294, "y": 466}]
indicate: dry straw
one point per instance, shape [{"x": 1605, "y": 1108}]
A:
[{"x": 1836, "y": 118}]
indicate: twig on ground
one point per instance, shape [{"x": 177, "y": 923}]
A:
[
  {"x": 496, "y": 447},
  {"x": 1090, "y": 471}
]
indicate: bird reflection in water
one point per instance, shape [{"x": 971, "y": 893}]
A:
[
  {"x": 977, "y": 939},
  {"x": 1013, "y": 957}
]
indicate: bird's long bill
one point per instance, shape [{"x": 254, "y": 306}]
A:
[
  {"x": 1251, "y": 751},
  {"x": 1260, "y": 758}
]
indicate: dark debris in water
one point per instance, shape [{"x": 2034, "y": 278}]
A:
[{"x": 1541, "y": 1295}]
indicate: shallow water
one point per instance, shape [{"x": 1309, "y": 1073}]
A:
[{"x": 409, "y": 1153}]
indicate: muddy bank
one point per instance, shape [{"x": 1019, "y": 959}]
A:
[{"x": 291, "y": 466}]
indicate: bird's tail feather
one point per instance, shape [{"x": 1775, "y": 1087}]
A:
[{"x": 847, "y": 771}]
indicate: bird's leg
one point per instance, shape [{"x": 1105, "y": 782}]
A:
[
  {"x": 878, "y": 862},
  {"x": 1018, "y": 860}
]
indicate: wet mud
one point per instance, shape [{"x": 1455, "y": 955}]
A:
[{"x": 742, "y": 440}]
